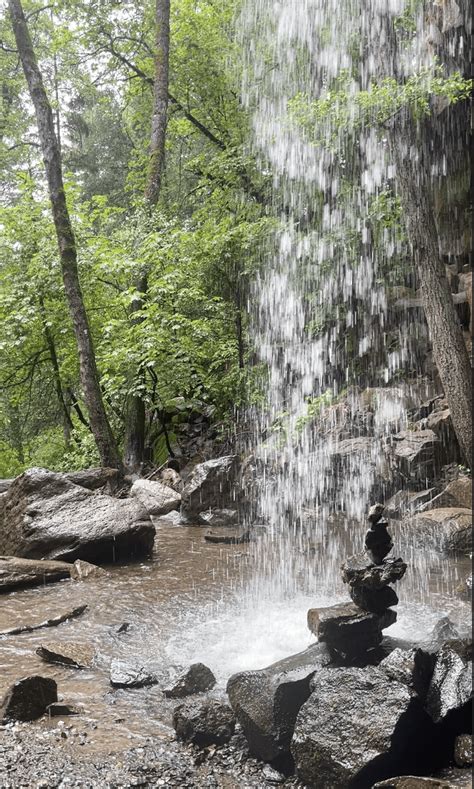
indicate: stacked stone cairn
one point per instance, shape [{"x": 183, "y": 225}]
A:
[{"x": 353, "y": 631}]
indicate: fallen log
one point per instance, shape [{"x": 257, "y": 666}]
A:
[{"x": 53, "y": 622}]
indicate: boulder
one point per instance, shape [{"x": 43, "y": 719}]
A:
[
  {"x": 157, "y": 499},
  {"x": 463, "y": 750},
  {"x": 64, "y": 654},
  {"x": 458, "y": 493},
  {"x": 27, "y": 699},
  {"x": 448, "y": 529},
  {"x": 45, "y": 516},
  {"x": 444, "y": 630},
  {"x": 411, "y": 667},
  {"x": 413, "y": 782},
  {"x": 348, "y": 630},
  {"x": 450, "y": 688},
  {"x": 408, "y": 502},
  {"x": 95, "y": 478},
  {"x": 128, "y": 675},
  {"x": 197, "y": 679},
  {"x": 5, "y": 485},
  {"x": 357, "y": 727},
  {"x": 171, "y": 479},
  {"x": 266, "y": 702},
  {"x": 414, "y": 451},
  {"x": 220, "y": 518},
  {"x": 205, "y": 723},
  {"x": 229, "y": 536},
  {"x": 209, "y": 485},
  {"x": 19, "y": 573},
  {"x": 81, "y": 570}
]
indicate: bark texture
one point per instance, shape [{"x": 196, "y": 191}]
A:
[
  {"x": 66, "y": 241},
  {"x": 134, "y": 445}
]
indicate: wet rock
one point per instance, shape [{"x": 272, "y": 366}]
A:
[
  {"x": 356, "y": 727},
  {"x": 27, "y": 699},
  {"x": 230, "y": 536},
  {"x": 60, "y": 709},
  {"x": 220, "y": 518},
  {"x": 20, "y": 573},
  {"x": 74, "y": 655},
  {"x": 464, "y": 589},
  {"x": 209, "y": 485},
  {"x": 413, "y": 782},
  {"x": 375, "y": 513},
  {"x": 355, "y": 572},
  {"x": 172, "y": 518},
  {"x": 463, "y": 750},
  {"x": 156, "y": 498},
  {"x": 448, "y": 530},
  {"x": 374, "y": 600},
  {"x": 348, "y": 630},
  {"x": 408, "y": 502},
  {"x": 414, "y": 451},
  {"x": 266, "y": 702},
  {"x": 378, "y": 542},
  {"x": 45, "y": 516},
  {"x": 81, "y": 570},
  {"x": 197, "y": 679},
  {"x": 458, "y": 493},
  {"x": 412, "y": 667},
  {"x": 205, "y": 723},
  {"x": 5, "y": 485},
  {"x": 451, "y": 684},
  {"x": 171, "y": 478},
  {"x": 444, "y": 630},
  {"x": 95, "y": 478},
  {"x": 128, "y": 675}
]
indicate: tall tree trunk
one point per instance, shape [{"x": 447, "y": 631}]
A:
[
  {"x": 415, "y": 154},
  {"x": 135, "y": 420},
  {"x": 103, "y": 436},
  {"x": 48, "y": 335}
]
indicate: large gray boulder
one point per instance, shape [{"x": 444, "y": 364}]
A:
[
  {"x": 204, "y": 723},
  {"x": 46, "y": 516},
  {"x": 450, "y": 688},
  {"x": 266, "y": 702},
  {"x": 415, "y": 453},
  {"x": 157, "y": 499},
  {"x": 447, "y": 529},
  {"x": 357, "y": 727},
  {"x": 209, "y": 486},
  {"x": 457, "y": 493}
]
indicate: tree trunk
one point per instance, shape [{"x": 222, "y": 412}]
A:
[
  {"x": 134, "y": 444},
  {"x": 66, "y": 241},
  {"x": 66, "y": 417}
]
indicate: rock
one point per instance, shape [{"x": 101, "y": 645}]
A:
[
  {"x": 355, "y": 572},
  {"x": 45, "y": 516},
  {"x": 444, "y": 630},
  {"x": 356, "y": 727},
  {"x": 156, "y": 498},
  {"x": 412, "y": 667},
  {"x": 266, "y": 702},
  {"x": 127, "y": 675},
  {"x": 74, "y": 655},
  {"x": 205, "y": 723},
  {"x": 82, "y": 570},
  {"x": 5, "y": 485},
  {"x": 197, "y": 679},
  {"x": 463, "y": 750},
  {"x": 408, "y": 502},
  {"x": 94, "y": 478},
  {"x": 27, "y": 699},
  {"x": 374, "y": 600},
  {"x": 414, "y": 451},
  {"x": 451, "y": 684},
  {"x": 60, "y": 710},
  {"x": 413, "y": 782},
  {"x": 347, "y": 629},
  {"x": 19, "y": 573},
  {"x": 378, "y": 542},
  {"x": 209, "y": 485},
  {"x": 228, "y": 536},
  {"x": 375, "y": 513},
  {"x": 464, "y": 589},
  {"x": 220, "y": 518},
  {"x": 447, "y": 529},
  {"x": 172, "y": 518},
  {"x": 171, "y": 479},
  {"x": 457, "y": 493}
]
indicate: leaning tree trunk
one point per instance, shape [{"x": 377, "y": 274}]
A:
[
  {"x": 100, "y": 426},
  {"x": 135, "y": 420},
  {"x": 416, "y": 154}
]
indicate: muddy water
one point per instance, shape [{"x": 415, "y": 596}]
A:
[{"x": 189, "y": 603}]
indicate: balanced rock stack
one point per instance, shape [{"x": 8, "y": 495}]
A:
[{"x": 352, "y": 630}]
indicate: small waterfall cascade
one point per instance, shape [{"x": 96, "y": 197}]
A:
[{"x": 342, "y": 369}]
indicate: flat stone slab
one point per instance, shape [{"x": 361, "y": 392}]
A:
[
  {"x": 74, "y": 655},
  {"x": 227, "y": 536},
  {"x": 347, "y": 628},
  {"x": 16, "y": 573},
  {"x": 357, "y": 571},
  {"x": 130, "y": 675}
]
